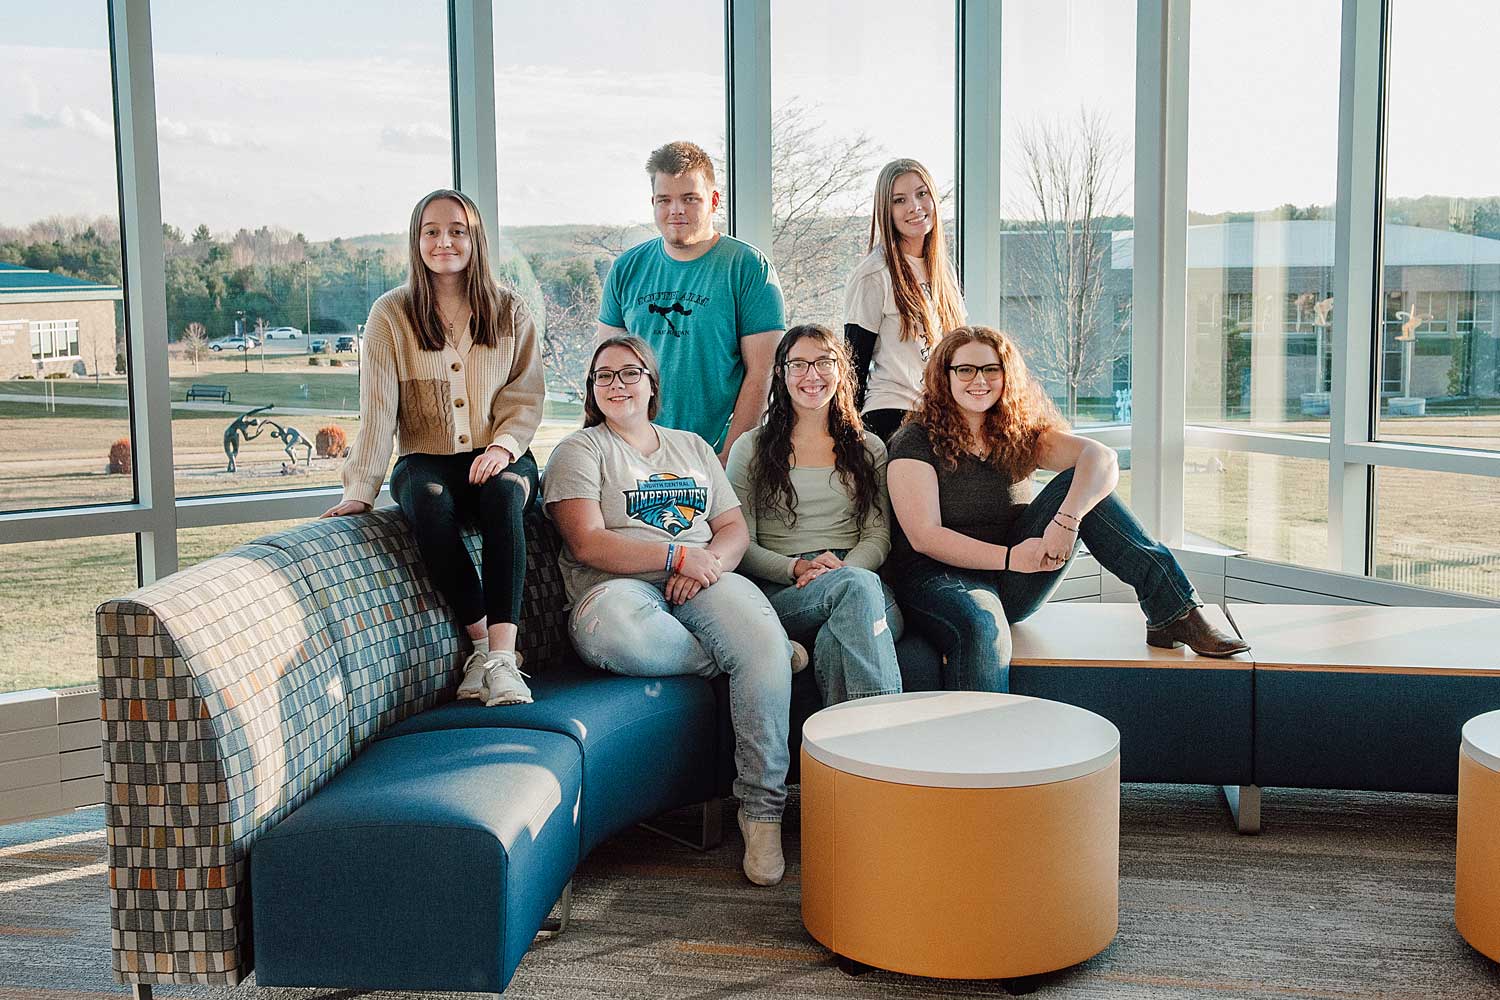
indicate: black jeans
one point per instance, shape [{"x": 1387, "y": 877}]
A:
[
  {"x": 883, "y": 423},
  {"x": 436, "y": 496}
]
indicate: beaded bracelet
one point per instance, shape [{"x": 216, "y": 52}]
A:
[
  {"x": 1066, "y": 527},
  {"x": 1071, "y": 517}
]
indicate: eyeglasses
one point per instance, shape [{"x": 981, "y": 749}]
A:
[
  {"x": 627, "y": 376},
  {"x": 966, "y": 373},
  {"x": 823, "y": 366}
]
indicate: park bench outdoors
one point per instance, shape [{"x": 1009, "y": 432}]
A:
[{"x": 203, "y": 391}]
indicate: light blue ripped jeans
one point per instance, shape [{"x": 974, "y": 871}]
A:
[
  {"x": 851, "y": 622},
  {"x": 629, "y": 627}
]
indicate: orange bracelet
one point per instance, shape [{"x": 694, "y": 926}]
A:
[{"x": 681, "y": 558}]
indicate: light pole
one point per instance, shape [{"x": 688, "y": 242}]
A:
[
  {"x": 239, "y": 328},
  {"x": 307, "y": 289}
]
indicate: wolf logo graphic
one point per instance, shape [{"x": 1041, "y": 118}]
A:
[
  {"x": 665, "y": 312},
  {"x": 671, "y": 503}
]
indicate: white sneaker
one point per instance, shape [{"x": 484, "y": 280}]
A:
[
  {"x": 799, "y": 657},
  {"x": 472, "y": 686},
  {"x": 503, "y": 682},
  {"x": 764, "y": 863}
]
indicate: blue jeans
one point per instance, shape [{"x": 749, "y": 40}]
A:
[
  {"x": 967, "y": 612},
  {"x": 628, "y": 627},
  {"x": 852, "y": 623}
]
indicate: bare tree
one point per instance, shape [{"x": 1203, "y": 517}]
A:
[
  {"x": 572, "y": 310},
  {"x": 194, "y": 342},
  {"x": 1070, "y": 185},
  {"x": 820, "y": 185}
]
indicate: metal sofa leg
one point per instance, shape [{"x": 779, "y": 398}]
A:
[
  {"x": 711, "y": 828},
  {"x": 553, "y": 926},
  {"x": 140, "y": 991},
  {"x": 1244, "y": 806}
]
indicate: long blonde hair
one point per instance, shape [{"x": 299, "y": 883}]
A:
[
  {"x": 922, "y": 318},
  {"x": 489, "y": 304}
]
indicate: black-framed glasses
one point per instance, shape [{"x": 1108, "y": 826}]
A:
[
  {"x": 628, "y": 375},
  {"x": 823, "y": 366},
  {"x": 966, "y": 373}
]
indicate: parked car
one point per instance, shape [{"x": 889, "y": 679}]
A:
[
  {"x": 346, "y": 343},
  {"x": 233, "y": 343},
  {"x": 283, "y": 333},
  {"x": 318, "y": 345}
]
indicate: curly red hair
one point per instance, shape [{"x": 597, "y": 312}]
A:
[{"x": 1012, "y": 427}]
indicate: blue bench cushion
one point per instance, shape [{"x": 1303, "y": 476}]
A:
[
  {"x": 428, "y": 864},
  {"x": 648, "y": 744},
  {"x": 1378, "y": 732},
  {"x": 1177, "y": 724}
]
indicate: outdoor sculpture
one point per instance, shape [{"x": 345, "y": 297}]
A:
[
  {"x": 239, "y": 429},
  {"x": 247, "y": 427}
]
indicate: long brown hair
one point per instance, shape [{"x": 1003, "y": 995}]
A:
[
  {"x": 771, "y": 465},
  {"x": 1012, "y": 427},
  {"x": 489, "y": 304},
  {"x": 921, "y": 318},
  {"x": 592, "y": 415}
]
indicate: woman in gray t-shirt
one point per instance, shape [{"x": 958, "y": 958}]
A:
[
  {"x": 812, "y": 483},
  {"x": 652, "y": 533},
  {"x": 972, "y": 551}
]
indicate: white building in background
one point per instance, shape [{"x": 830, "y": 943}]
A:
[{"x": 51, "y": 324}]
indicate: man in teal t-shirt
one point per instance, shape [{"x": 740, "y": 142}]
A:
[{"x": 708, "y": 304}]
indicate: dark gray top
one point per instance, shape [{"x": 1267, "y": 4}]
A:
[{"x": 976, "y": 499}]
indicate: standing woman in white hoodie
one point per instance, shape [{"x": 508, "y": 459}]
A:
[{"x": 901, "y": 298}]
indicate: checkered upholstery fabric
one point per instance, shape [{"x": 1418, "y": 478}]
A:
[{"x": 233, "y": 690}]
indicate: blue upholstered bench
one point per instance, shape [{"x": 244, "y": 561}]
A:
[{"x": 281, "y": 716}]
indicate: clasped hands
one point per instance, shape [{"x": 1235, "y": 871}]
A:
[
  {"x": 701, "y": 567},
  {"x": 805, "y": 571},
  {"x": 1046, "y": 554}
]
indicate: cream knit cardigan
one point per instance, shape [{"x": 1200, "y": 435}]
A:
[{"x": 441, "y": 402}]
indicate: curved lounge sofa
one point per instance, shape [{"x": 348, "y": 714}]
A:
[{"x": 290, "y": 787}]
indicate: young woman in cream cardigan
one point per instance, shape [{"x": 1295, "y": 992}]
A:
[{"x": 451, "y": 367}]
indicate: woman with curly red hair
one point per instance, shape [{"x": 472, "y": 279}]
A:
[{"x": 972, "y": 549}]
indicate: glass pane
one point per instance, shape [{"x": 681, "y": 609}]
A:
[
  {"x": 853, "y": 85},
  {"x": 64, "y": 409},
  {"x": 50, "y": 591},
  {"x": 1068, "y": 143},
  {"x": 197, "y": 544},
  {"x": 1262, "y": 177},
  {"x": 295, "y": 139},
  {"x": 1439, "y": 355},
  {"x": 1437, "y": 529},
  {"x": 1265, "y": 506},
  {"x": 586, "y": 91}
]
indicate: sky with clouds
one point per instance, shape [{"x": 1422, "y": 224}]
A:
[{"x": 316, "y": 118}]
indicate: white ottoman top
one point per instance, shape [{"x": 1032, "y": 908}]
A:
[
  {"x": 1481, "y": 739},
  {"x": 961, "y": 739}
]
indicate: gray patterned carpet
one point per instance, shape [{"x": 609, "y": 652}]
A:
[{"x": 1345, "y": 895}]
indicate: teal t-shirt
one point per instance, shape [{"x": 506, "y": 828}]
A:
[{"x": 693, "y": 314}]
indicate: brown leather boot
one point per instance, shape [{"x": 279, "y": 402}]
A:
[{"x": 1200, "y": 636}]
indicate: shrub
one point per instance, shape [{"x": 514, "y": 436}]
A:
[
  {"x": 119, "y": 364},
  {"x": 331, "y": 442},
  {"x": 335, "y": 362},
  {"x": 58, "y": 374},
  {"x": 119, "y": 457},
  {"x": 315, "y": 361}
]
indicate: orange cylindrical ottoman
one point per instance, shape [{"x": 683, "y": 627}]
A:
[
  {"x": 961, "y": 835},
  {"x": 1476, "y": 892}
]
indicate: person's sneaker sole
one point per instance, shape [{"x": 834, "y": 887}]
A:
[{"x": 513, "y": 700}]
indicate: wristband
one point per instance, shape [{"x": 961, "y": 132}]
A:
[
  {"x": 1007, "y": 559},
  {"x": 681, "y": 558},
  {"x": 671, "y": 552}
]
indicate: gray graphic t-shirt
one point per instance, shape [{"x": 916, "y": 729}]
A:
[{"x": 670, "y": 495}]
